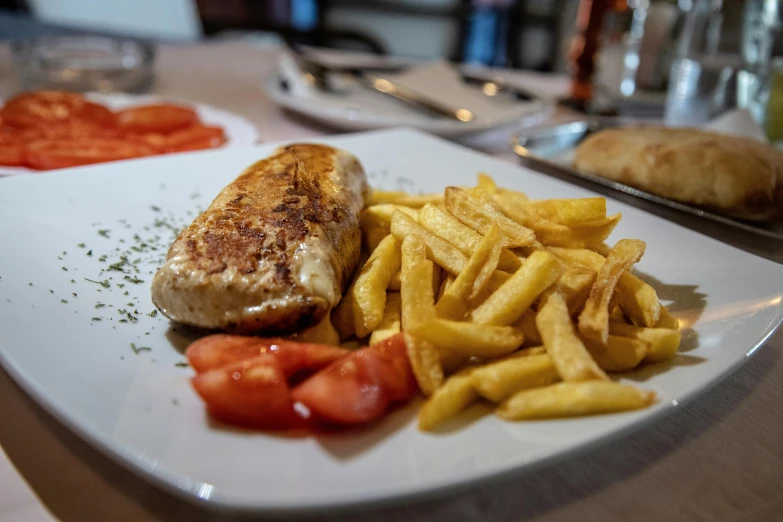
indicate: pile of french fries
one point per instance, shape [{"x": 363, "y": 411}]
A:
[{"x": 508, "y": 300}]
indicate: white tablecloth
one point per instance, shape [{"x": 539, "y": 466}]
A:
[{"x": 719, "y": 458}]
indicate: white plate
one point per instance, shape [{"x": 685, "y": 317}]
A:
[
  {"x": 363, "y": 110},
  {"x": 239, "y": 131},
  {"x": 140, "y": 409}
]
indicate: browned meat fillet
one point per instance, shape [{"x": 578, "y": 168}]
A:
[{"x": 274, "y": 251}]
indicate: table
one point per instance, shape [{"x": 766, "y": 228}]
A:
[{"x": 718, "y": 458}]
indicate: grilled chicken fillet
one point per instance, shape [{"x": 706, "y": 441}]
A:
[{"x": 274, "y": 251}]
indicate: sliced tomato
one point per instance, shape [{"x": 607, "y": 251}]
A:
[
  {"x": 197, "y": 137},
  {"x": 12, "y": 155},
  {"x": 360, "y": 387},
  {"x": 216, "y": 351},
  {"x": 154, "y": 139},
  {"x": 251, "y": 393},
  {"x": 48, "y": 154},
  {"x": 156, "y": 119},
  {"x": 49, "y": 107}
]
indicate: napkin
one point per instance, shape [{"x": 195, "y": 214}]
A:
[
  {"x": 737, "y": 122},
  {"x": 439, "y": 81}
]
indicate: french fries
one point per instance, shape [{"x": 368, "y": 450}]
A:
[
  {"x": 417, "y": 306},
  {"x": 500, "y": 298},
  {"x": 498, "y": 380},
  {"x": 571, "y": 399},
  {"x": 485, "y": 341},
  {"x": 457, "y": 298},
  {"x": 480, "y": 216},
  {"x": 594, "y": 319},
  {"x": 509, "y": 302},
  {"x": 369, "y": 290},
  {"x": 462, "y": 236},
  {"x": 391, "y": 323},
  {"x": 447, "y": 401}
]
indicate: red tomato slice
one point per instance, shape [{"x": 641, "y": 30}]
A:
[
  {"x": 12, "y": 154},
  {"x": 48, "y": 107},
  {"x": 156, "y": 118},
  {"x": 197, "y": 137},
  {"x": 56, "y": 154},
  {"x": 216, "y": 351},
  {"x": 154, "y": 139},
  {"x": 251, "y": 393},
  {"x": 359, "y": 387}
]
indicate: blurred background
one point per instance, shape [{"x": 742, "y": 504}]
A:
[
  {"x": 528, "y": 34},
  {"x": 621, "y": 55}
]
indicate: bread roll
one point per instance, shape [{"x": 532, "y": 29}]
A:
[{"x": 727, "y": 174}]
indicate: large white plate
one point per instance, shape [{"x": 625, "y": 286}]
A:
[
  {"x": 139, "y": 408},
  {"x": 239, "y": 131}
]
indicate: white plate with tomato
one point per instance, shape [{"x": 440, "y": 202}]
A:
[
  {"x": 81, "y": 335},
  {"x": 48, "y": 130}
]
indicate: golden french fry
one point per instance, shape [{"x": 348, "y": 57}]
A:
[
  {"x": 568, "y": 211},
  {"x": 619, "y": 354},
  {"x": 439, "y": 250},
  {"x": 380, "y": 215},
  {"x": 667, "y": 320},
  {"x": 637, "y": 298},
  {"x": 568, "y": 399},
  {"x": 509, "y": 302},
  {"x": 342, "y": 316},
  {"x": 437, "y": 275},
  {"x": 395, "y": 281},
  {"x": 416, "y": 306},
  {"x": 372, "y": 237},
  {"x": 498, "y": 380},
  {"x": 580, "y": 235},
  {"x": 527, "y": 323},
  {"x": 575, "y": 286},
  {"x": 391, "y": 321},
  {"x": 486, "y": 183},
  {"x": 369, "y": 290},
  {"x": 479, "y": 215},
  {"x": 470, "y": 339},
  {"x": 321, "y": 333},
  {"x": 425, "y": 363},
  {"x": 451, "y": 361},
  {"x": 402, "y": 198},
  {"x": 616, "y": 313},
  {"x": 663, "y": 342},
  {"x": 456, "y": 300},
  {"x": 455, "y": 395},
  {"x": 462, "y": 236},
  {"x": 571, "y": 358},
  {"x": 594, "y": 319}
]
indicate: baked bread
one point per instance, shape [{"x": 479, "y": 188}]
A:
[{"x": 731, "y": 175}]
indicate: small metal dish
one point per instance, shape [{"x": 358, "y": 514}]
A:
[
  {"x": 549, "y": 149},
  {"x": 84, "y": 63}
]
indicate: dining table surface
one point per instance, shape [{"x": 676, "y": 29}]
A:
[{"x": 717, "y": 458}]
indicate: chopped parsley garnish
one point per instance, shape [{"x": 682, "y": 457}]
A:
[
  {"x": 99, "y": 305},
  {"x": 139, "y": 349},
  {"x": 81, "y": 245},
  {"x": 135, "y": 280},
  {"x": 104, "y": 283},
  {"x": 104, "y": 233},
  {"x": 96, "y": 318},
  {"x": 181, "y": 364},
  {"x": 153, "y": 313},
  {"x": 89, "y": 253},
  {"x": 155, "y": 208},
  {"x": 63, "y": 301}
]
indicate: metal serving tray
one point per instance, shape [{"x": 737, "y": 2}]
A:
[{"x": 550, "y": 149}]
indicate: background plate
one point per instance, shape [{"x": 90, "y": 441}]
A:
[{"x": 75, "y": 356}]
